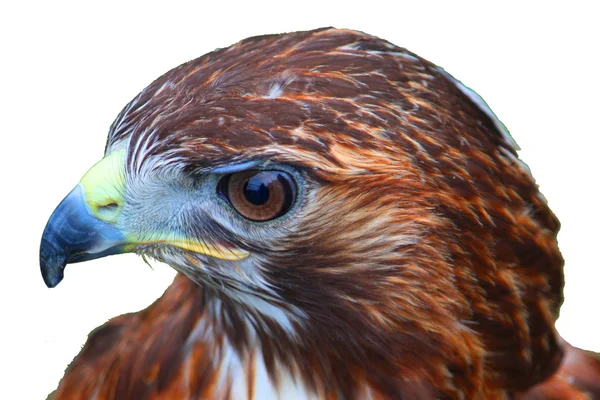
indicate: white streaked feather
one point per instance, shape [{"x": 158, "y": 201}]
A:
[
  {"x": 231, "y": 366},
  {"x": 275, "y": 91}
]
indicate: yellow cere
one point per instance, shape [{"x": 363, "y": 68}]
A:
[{"x": 104, "y": 186}]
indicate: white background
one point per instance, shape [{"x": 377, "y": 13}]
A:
[{"x": 67, "y": 69}]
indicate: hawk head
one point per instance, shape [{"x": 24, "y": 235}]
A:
[{"x": 341, "y": 197}]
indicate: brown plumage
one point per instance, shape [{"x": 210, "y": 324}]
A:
[{"x": 421, "y": 261}]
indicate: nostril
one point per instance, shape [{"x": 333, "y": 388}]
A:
[{"x": 108, "y": 211}]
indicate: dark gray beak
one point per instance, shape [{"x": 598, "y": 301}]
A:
[{"x": 73, "y": 235}]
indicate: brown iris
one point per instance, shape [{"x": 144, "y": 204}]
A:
[{"x": 259, "y": 195}]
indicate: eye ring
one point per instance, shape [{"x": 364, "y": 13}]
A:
[{"x": 259, "y": 195}]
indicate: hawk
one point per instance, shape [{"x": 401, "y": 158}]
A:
[{"x": 348, "y": 222}]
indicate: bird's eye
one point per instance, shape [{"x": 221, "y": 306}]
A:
[{"x": 259, "y": 195}]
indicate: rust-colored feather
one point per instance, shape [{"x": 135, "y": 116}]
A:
[{"x": 424, "y": 259}]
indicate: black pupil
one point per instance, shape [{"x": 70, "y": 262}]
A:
[{"x": 256, "y": 189}]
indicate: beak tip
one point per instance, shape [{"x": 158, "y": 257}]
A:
[
  {"x": 52, "y": 264},
  {"x": 53, "y": 279}
]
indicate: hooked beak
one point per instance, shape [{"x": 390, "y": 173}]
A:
[
  {"x": 83, "y": 225},
  {"x": 72, "y": 235}
]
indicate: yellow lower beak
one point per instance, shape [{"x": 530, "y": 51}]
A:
[{"x": 216, "y": 251}]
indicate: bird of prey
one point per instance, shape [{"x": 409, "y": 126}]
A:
[{"x": 348, "y": 222}]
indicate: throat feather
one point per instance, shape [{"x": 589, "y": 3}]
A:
[{"x": 233, "y": 334}]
